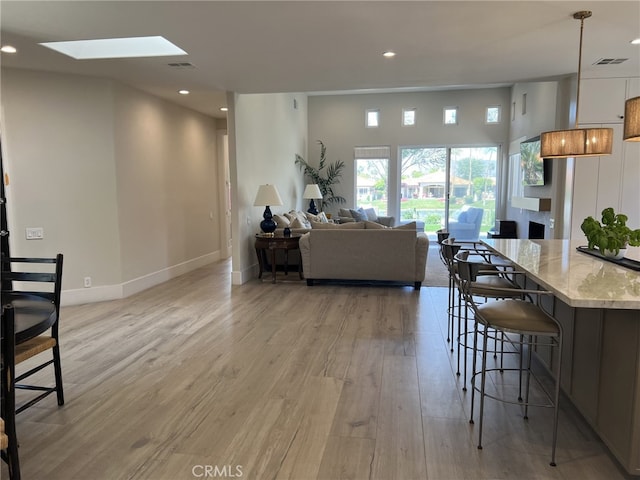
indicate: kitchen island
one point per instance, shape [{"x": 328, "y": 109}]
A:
[{"x": 597, "y": 303}]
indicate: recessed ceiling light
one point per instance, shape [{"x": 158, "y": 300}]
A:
[
  {"x": 224, "y": 109},
  {"x": 116, "y": 48},
  {"x": 389, "y": 54},
  {"x": 635, "y": 41},
  {"x": 8, "y": 49},
  {"x": 183, "y": 92}
]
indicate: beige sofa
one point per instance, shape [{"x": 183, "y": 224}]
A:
[{"x": 388, "y": 255}]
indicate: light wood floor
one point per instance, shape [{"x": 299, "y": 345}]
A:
[{"x": 266, "y": 381}]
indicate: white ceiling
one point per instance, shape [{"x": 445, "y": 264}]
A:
[{"x": 323, "y": 46}]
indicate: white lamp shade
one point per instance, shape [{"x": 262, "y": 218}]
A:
[
  {"x": 312, "y": 191},
  {"x": 576, "y": 142},
  {"x": 267, "y": 196},
  {"x": 632, "y": 120}
]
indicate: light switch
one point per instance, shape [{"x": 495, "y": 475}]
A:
[{"x": 35, "y": 233}]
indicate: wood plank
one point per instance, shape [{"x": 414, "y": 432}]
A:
[{"x": 284, "y": 381}]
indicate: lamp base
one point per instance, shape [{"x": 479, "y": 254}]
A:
[
  {"x": 268, "y": 225},
  {"x": 312, "y": 208}
]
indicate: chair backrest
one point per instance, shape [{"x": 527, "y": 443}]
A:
[
  {"x": 42, "y": 275},
  {"x": 449, "y": 249}
]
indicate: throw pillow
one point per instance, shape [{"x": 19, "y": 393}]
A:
[
  {"x": 407, "y": 226},
  {"x": 344, "y": 212},
  {"x": 300, "y": 216},
  {"x": 281, "y": 221},
  {"x": 372, "y": 216},
  {"x": 311, "y": 217},
  {"x": 297, "y": 224},
  {"x": 322, "y": 217},
  {"x": 359, "y": 216},
  {"x": 373, "y": 226}
]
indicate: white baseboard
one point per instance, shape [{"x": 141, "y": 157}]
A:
[
  {"x": 113, "y": 292},
  {"x": 239, "y": 277}
]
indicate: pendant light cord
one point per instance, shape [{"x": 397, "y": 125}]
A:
[
  {"x": 580, "y": 16},
  {"x": 579, "y": 71}
]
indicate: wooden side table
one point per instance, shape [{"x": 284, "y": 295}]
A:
[{"x": 271, "y": 244}]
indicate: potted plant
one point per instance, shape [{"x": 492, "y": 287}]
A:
[
  {"x": 612, "y": 235},
  {"x": 325, "y": 181}
]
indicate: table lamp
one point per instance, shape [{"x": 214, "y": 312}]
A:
[
  {"x": 312, "y": 191},
  {"x": 267, "y": 195}
]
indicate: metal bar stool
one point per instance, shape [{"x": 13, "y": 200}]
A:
[{"x": 531, "y": 324}]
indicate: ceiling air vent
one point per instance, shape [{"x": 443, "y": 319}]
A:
[
  {"x": 610, "y": 61},
  {"x": 182, "y": 65}
]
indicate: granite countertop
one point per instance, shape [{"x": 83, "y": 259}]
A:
[{"x": 578, "y": 279}]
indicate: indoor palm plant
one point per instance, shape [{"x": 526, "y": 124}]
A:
[
  {"x": 327, "y": 180},
  {"x": 612, "y": 235}
]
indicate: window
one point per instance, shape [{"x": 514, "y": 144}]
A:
[
  {"x": 372, "y": 178},
  {"x": 451, "y": 115},
  {"x": 373, "y": 118},
  {"x": 493, "y": 115},
  {"x": 408, "y": 117}
]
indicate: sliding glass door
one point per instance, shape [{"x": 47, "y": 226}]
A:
[{"x": 452, "y": 187}]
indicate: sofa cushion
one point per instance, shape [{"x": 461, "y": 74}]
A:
[
  {"x": 373, "y": 225},
  {"x": 327, "y": 226},
  {"x": 407, "y": 226}
]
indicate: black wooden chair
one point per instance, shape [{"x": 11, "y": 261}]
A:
[
  {"x": 8, "y": 437},
  {"x": 37, "y": 314}
]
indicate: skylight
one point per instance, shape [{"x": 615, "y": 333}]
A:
[{"x": 116, "y": 48}]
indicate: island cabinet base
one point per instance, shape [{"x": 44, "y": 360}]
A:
[{"x": 601, "y": 374}]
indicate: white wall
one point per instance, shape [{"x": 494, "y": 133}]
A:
[
  {"x": 339, "y": 121},
  {"x": 266, "y": 131},
  {"x": 533, "y": 112},
  {"x": 121, "y": 181}
]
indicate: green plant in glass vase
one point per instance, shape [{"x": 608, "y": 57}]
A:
[
  {"x": 325, "y": 180},
  {"x": 612, "y": 235}
]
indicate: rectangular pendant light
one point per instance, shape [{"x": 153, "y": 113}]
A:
[
  {"x": 576, "y": 142},
  {"x": 632, "y": 120}
]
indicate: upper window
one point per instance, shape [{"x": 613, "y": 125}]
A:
[
  {"x": 373, "y": 118},
  {"x": 493, "y": 115},
  {"x": 408, "y": 117},
  {"x": 451, "y": 115}
]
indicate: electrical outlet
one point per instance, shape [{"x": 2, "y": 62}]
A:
[
  {"x": 552, "y": 223},
  {"x": 87, "y": 282}
]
